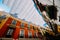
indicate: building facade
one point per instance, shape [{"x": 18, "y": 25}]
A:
[
  {"x": 14, "y": 28},
  {"x": 11, "y": 27}
]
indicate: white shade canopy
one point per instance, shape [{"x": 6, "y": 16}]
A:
[{"x": 26, "y": 10}]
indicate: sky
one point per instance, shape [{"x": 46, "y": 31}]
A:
[
  {"x": 33, "y": 15},
  {"x": 4, "y": 7}
]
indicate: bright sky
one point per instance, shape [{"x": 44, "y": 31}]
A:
[
  {"x": 36, "y": 18},
  {"x": 4, "y": 7}
]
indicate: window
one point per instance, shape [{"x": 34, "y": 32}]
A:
[
  {"x": 28, "y": 26},
  {"x": 38, "y": 29},
  {"x": 34, "y": 28},
  {"x": 9, "y": 33},
  {"x": 14, "y": 22},
  {"x": 22, "y": 25},
  {"x": 30, "y": 34},
  {"x": 2, "y": 17},
  {"x": 35, "y": 35},
  {"x": 21, "y": 33}
]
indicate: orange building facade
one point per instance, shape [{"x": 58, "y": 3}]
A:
[{"x": 11, "y": 27}]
